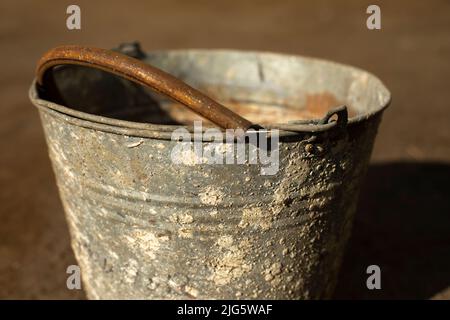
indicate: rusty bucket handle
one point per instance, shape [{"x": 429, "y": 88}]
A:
[{"x": 138, "y": 72}]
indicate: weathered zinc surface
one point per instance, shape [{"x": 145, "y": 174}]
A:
[{"x": 143, "y": 227}]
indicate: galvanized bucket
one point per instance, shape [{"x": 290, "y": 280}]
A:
[{"x": 144, "y": 227}]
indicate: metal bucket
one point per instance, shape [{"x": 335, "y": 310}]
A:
[{"x": 143, "y": 227}]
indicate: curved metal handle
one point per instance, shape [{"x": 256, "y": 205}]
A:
[{"x": 141, "y": 73}]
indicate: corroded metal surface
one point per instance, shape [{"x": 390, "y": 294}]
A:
[{"x": 143, "y": 227}]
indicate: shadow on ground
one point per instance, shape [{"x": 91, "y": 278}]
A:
[{"x": 403, "y": 226}]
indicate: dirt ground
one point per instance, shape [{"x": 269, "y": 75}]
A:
[{"x": 403, "y": 220}]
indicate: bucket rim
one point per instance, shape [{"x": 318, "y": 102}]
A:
[{"x": 164, "y": 131}]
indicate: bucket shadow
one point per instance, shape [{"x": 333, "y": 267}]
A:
[{"x": 402, "y": 225}]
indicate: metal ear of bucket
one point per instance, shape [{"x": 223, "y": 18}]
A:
[{"x": 144, "y": 227}]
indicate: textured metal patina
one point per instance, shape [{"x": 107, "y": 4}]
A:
[{"x": 145, "y": 228}]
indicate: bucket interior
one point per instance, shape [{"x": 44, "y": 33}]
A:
[{"x": 262, "y": 87}]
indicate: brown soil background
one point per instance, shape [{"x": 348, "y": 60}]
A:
[{"x": 403, "y": 220}]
